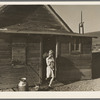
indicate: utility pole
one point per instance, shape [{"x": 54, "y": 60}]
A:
[{"x": 81, "y": 25}]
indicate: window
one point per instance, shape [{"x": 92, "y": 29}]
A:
[{"x": 75, "y": 45}]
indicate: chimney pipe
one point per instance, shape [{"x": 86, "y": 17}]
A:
[{"x": 81, "y": 25}]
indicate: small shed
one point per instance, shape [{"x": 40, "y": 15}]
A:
[
  {"x": 95, "y": 54},
  {"x": 27, "y": 32}
]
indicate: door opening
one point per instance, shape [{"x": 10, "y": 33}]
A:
[{"x": 49, "y": 43}]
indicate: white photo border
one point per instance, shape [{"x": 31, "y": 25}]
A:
[{"x": 93, "y": 95}]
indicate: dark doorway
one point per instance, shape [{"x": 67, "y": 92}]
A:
[{"x": 49, "y": 43}]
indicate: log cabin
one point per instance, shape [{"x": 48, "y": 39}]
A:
[{"x": 29, "y": 31}]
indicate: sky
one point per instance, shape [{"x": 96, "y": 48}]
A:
[{"x": 71, "y": 14}]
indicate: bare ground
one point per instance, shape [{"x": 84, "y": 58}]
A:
[{"x": 85, "y": 85}]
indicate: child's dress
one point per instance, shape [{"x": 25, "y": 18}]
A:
[{"x": 50, "y": 67}]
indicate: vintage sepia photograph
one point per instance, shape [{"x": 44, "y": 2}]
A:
[{"x": 49, "y": 48}]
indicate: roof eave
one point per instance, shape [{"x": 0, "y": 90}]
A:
[{"x": 45, "y": 33}]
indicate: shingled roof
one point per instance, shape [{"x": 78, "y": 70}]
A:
[{"x": 33, "y": 19}]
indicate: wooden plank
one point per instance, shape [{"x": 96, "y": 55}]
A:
[
  {"x": 30, "y": 50},
  {"x": 41, "y": 60},
  {"x": 34, "y": 54},
  {"x": 57, "y": 54}
]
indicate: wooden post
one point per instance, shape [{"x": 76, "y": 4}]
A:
[
  {"x": 69, "y": 47},
  {"x": 41, "y": 66},
  {"x": 56, "y": 56}
]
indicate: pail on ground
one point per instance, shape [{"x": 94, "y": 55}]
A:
[{"x": 23, "y": 85}]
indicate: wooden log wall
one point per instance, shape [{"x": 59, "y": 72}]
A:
[
  {"x": 74, "y": 66},
  {"x": 24, "y": 48},
  {"x": 33, "y": 59},
  {"x": 5, "y": 59},
  {"x": 19, "y": 49}
]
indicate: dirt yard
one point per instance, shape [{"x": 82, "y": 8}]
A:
[{"x": 86, "y": 85}]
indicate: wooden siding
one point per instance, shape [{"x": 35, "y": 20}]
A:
[
  {"x": 5, "y": 59},
  {"x": 86, "y": 45},
  {"x": 19, "y": 49},
  {"x": 96, "y": 65},
  {"x": 25, "y": 49},
  {"x": 5, "y": 50},
  {"x": 33, "y": 59},
  {"x": 75, "y": 66}
]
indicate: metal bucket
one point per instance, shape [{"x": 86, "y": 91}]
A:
[{"x": 22, "y": 85}]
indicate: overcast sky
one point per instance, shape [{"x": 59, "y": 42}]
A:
[{"x": 71, "y": 14}]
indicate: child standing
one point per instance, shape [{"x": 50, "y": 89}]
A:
[{"x": 50, "y": 67}]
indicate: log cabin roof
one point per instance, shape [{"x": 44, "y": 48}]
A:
[{"x": 33, "y": 19}]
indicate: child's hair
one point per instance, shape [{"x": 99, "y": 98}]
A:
[
  {"x": 51, "y": 52},
  {"x": 45, "y": 55}
]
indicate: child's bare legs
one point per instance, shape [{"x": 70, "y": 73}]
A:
[{"x": 50, "y": 83}]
